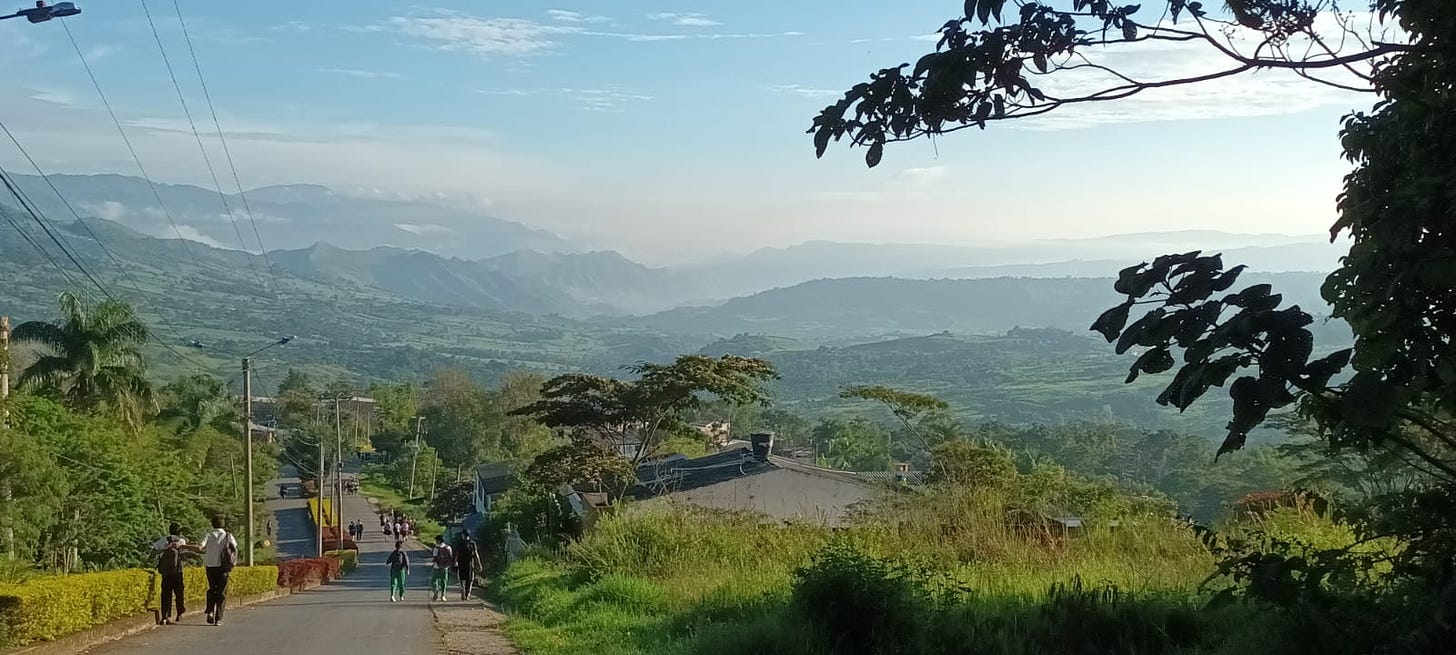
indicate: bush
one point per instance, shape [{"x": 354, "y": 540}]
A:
[
  {"x": 348, "y": 559},
  {"x": 859, "y": 603},
  {"x": 302, "y": 571},
  {"x": 46, "y": 608}
]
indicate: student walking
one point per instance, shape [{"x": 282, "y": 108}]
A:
[
  {"x": 443, "y": 560},
  {"x": 219, "y": 555},
  {"x": 467, "y": 563},
  {"x": 169, "y": 552},
  {"x": 399, "y": 566}
]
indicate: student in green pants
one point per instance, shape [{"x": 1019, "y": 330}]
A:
[
  {"x": 398, "y": 570},
  {"x": 444, "y": 560}
]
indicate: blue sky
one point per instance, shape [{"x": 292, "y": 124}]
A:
[{"x": 667, "y": 130}]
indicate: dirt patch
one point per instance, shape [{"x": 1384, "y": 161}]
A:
[{"x": 471, "y": 628}]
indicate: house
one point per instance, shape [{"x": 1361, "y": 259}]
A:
[
  {"x": 491, "y": 480},
  {"x": 752, "y": 479}
]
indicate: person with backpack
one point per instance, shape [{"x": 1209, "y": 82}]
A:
[
  {"x": 219, "y": 555},
  {"x": 399, "y": 566},
  {"x": 467, "y": 562},
  {"x": 443, "y": 560},
  {"x": 170, "y": 551}
]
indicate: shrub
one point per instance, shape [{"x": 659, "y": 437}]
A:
[
  {"x": 857, "y": 602},
  {"x": 295, "y": 573},
  {"x": 46, "y": 608},
  {"x": 348, "y": 559}
]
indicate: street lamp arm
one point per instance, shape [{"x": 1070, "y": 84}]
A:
[{"x": 279, "y": 342}]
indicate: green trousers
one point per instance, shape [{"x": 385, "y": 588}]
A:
[
  {"x": 439, "y": 579},
  {"x": 396, "y": 583}
]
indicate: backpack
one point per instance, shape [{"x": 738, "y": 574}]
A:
[
  {"x": 229, "y": 558},
  {"x": 170, "y": 561},
  {"x": 396, "y": 559},
  {"x": 444, "y": 557}
]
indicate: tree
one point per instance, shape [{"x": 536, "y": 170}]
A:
[
  {"x": 1011, "y": 71},
  {"x": 649, "y": 410},
  {"x": 452, "y": 501},
  {"x": 195, "y": 401},
  {"x": 462, "y": 422},
  {"x": 907, "y": 406},
  {"x": 853, "y": 445},
  {"x": 92, "y": 357},
  {"x": 966, "y": 463},
  {"x": 1395, "y": 390}
]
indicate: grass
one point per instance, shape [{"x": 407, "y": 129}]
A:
[
  {"x": 685, "y": 580},
  {"x": 390, "y": 498}
]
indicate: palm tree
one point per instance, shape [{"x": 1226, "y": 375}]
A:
[
  {"x": 92, "y": 357},
  {"x": 195, "y": 401}
]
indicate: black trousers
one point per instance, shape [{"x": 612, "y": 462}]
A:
[
  {"x": 172, "y": 588},
  {"x": 217, "y": 581},
  {"x": 467, "y": 581}
]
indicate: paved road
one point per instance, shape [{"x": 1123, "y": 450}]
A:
[{"x": 352, "y": 616}]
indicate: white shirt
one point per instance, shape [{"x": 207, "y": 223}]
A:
[
  {"x": 162, "y": 543},
  {"x": 213, "y": 545}
]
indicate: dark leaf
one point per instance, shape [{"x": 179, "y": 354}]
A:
[
  {"x": 821, "y": 141},
  {"x": 872, "y": 157},
  {"x": 1319, "y": 371},
  {"x": 1153, "y": 361},
  {"x": 1111, "y": 322},
  {"x": 1040, "y": 61},
  {"x": 1129, "y": 30},
  {"x": 983, "y": 10},
  {"x": 1135, "y": 332},
  {"x": 1228, "y": 278}
]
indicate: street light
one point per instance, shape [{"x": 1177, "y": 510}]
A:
[
  {"x": 248, "y": 436},
  {"x": 42, "y": 12}
]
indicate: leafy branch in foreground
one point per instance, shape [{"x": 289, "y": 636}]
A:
[{"x": 1042, "y": 56}]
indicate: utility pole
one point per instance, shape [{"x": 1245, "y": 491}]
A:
[
  {"x": 249, "y": 533},
  {"x": 339, "y": 476},
  {"x": 415, "y": 463},
  {"x": 319, "y": 491},
  {"x": 5, "y": 493}
]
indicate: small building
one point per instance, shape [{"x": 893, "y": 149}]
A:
[
  {"x": 491, "y": 480},
  {"x": 718, "y": 432},
  {"x": 752, "y": 479}
]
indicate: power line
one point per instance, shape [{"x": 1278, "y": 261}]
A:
[
  {"x": 28, "y": 207},
  {"x": 102, "y": 244},
  {"x": 70, "y": 281},
  {"x": 143, "y": 169},
  {"x": 206, "y": 160},
  {"x": 202, "y": 80}
]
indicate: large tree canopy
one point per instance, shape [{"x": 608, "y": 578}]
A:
[{"x": 92, "y": 357}]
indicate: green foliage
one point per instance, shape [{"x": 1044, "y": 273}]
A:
[
  {"x": 462, "y": 420},
  {"x": 652, "y": 408},
  {"x": 859, "y": 603},
  {"x": 854, "y": 445},
  {"x": 49, "y": 607},
  {"x": 197, "y": 401},
  {"x": 452, "y": 501},
  {"x": 972, "y": 465},
  {"x": 92, "y": 358},
  {"x": 348, "y": 560}
]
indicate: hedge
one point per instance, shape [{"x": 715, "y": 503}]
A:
[
  {"x": 46, "y": 608},
  {"x": 348, "y": 559},
  {"x": 302, "y": 571}
]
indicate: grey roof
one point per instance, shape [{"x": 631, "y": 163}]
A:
[
  {"x": 676, "y": 474},
  {"x": 495, "y": 477}
]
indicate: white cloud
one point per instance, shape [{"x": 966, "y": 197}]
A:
[
  {"x": 690, "y": 19},
  {"x": 355, "y": 72},
  {"x": 109, "y": 210},
  {"x": 62, "y": 97},
  {"x": 484, "y": 36},
  {"x": 424, "y": 229},
  {"x": 101, "y": 52},
  {"x": 566, "y": 16},
  {"x": 192, "y": 234},
  {"x": 519, "y": 37},
  {"x": 805, "y": 91},
  {"x": 924, "y": 175},
  {"x": 590, "y": 99}
]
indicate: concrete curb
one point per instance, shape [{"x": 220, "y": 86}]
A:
[{"x": 84, "y": 640}]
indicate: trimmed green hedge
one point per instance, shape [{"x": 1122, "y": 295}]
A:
[
  {"x": 46, "y": 608},
  {"x": 348, "y": 559}
]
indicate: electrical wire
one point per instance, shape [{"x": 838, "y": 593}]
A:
[
  {"x": 227, "y": 152},
  {"x": 30, "y": 239},
  {"x": 29, "y": 209},
  {"x": 99, "y": 242},
  {"x": 206, "y": 160},
  {"x": 143, "y": 169}
]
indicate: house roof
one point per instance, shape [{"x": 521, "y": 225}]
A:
[
  {"x": 495, "y": 477},
  {"x": 676, "y": 474}
]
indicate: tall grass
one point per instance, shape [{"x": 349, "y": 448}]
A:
[{"x": 960, "y": 577}]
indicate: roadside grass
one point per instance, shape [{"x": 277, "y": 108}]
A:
[
  {"x": 678, "y": 580},
  {"x": 374, "y": 485}
]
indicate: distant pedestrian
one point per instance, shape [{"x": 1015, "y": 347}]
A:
[
  {"x": 170, "y": 552},
  {"x": 399, "y": 530},
  {"x": 442, "y": 561},
  {"x": 219, "y": 554},
  {"x": 399, "y": 567},
  {"x": 467, "y": 563},
  {"x": 381, "y": 519}
]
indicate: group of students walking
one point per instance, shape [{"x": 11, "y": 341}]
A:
[
  {"x": 463, "y": 558},
  {"x": 219, "y": 552}
]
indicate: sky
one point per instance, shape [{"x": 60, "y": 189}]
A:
[{"x": 667, "y": 130}]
